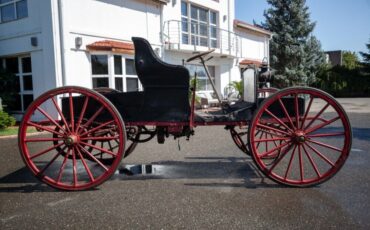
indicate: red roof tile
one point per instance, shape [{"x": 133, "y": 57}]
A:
[
  {"x": 250, "y": 62},
  {"x": 114, "y": 46}
]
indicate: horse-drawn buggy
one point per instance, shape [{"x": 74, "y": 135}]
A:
[{"x": 296, "y": 136}]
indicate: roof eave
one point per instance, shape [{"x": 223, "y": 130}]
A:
[
  {"x": 242, "y": 25},
  {"x": 162, "y": 1}
]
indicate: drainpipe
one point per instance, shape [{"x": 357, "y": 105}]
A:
[
  {"x": 162, "y": 30},
  {"x": 228, "y": 25},
  {"x": 61, "y": 36},
  {"x": 229, "y": 32}
]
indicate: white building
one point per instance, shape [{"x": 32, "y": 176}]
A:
[{"x": 52, "y": 43}]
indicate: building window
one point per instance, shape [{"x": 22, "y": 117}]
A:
[
  {"x": 199, "y": 26},
  {"x": 121, "y": 77},
  {"x": 99, "y": 69},
  {"x": 12, "y": 10},
  {"x": 132, "y": 81},
  {"x": 203, "y": 81},
  {"x": 21, "y": 67},
  {"x": 118, "y": 72}
]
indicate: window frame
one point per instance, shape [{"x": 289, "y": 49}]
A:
[
  {"x": 99, "y": 75},
  {"x": 20, "y": 75},
  {"x": 15, "y": 13},
  {"x": 112, "y": 76},
  {"x": 197, "y": 35},
  {"x": 130, "y": 76}
]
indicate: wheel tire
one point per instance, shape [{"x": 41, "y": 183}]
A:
[
  {"x": 314, "y": 143},
  {"x": 41, "y": 155}
]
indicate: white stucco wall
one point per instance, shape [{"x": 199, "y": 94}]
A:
[
  {"x": 104, "y": 20},
  {"x": 15, "y": 40},
  {"x": 253, "y": 46}
]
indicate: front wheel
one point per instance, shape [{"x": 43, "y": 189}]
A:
[
  {"x": 68, "y": 154},
  {"x": 308, "y": 137}
]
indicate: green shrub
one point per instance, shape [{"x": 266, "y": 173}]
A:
[
  {"x": 6, "y": 120},
  {"x": 9, "y": 86}
]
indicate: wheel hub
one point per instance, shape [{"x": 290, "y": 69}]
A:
[
  {"x": 71, "y": 140},
  {"x": 299, "y": 137}
]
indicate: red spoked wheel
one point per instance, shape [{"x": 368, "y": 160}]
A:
[
  {"x": 72, "y": 152},
  {"x": 300, "y": 137}
]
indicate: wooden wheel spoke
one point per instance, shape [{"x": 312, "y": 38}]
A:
[
  {"x": 61, "y": 114},
  {"x": 71, "y": 111},
  {"x": 320, "y": 154},
  {"x": 326, "y": 134},
  {"x": 272, "y": 133},
  {"x": 74, "y": 163},
  {"x": 313, "y": 129},
  {"x": 314, "y": 166},
  {"x": 271, "y": 140},
  {"x": 273, "y": 150},
  {"x": 44, "y": 128},
  {"x": 46, "y": 150},
  {"x": 109, "y": 138},
  {"x": 94, "y": 158},
  {"x": 271, "y": 128},
  {"x": 52, "y": 161},
  {"x": 317, "y": 116},
  {"x": 301, "y": 171},
  {"x": 260, "y": 136},
  {"x": 325, "y": 145},
  {"x": 290, "y": 163},
  {"x": 278, "y": 120},
  {"x": 82, "y": 114},
  {"x": 296, "y": 108},
  {"x": 307, "y": 111},
  {"x": 282, "y": 155},
  {"x": 99, "y": 148},
  {"x": 97, "y": 128},
  {"x": 92, "y": 179},
  {"x": 61, "y": 170},
  {"x": 50, "y": 119},
  {"x": 286, "y": 113},
  {"x": 94, "y": 116},
  {"x": 43, "y": 139}
]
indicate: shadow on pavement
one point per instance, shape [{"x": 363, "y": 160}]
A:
[
  {"x": 361, "y": 133},
  {"x": 221, "y": 168}
]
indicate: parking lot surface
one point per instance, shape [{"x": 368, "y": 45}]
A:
[{"x": 209, "y": 183}]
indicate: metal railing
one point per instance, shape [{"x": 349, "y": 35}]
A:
[{"x": 197, "y": 36}]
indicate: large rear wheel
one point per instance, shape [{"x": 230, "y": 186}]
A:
[
  {"x": 69, "y": 154},
  {"x": 306, "y": 137}
]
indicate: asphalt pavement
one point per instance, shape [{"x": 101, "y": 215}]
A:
[{"x": 208, "y": 184}]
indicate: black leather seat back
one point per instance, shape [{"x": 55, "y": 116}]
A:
[{"x": 166, "y": 87}]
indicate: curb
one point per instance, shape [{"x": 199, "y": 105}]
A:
[{"x": 16, "y": 135}]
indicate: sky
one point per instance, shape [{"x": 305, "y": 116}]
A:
[{"x": 340, "y": 24}]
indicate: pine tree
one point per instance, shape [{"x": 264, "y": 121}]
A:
[
  {"x": 366, "y": 59},
  {"x": 314, "y": 60},
  {"x": 295, "y": 54}
]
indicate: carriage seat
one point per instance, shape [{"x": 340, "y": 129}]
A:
[{"x": 165, "y": 95}]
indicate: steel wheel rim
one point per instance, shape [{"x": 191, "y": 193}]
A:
[
  {"x": 73, "y": 140},
  {"x": 301, "y": 143}
]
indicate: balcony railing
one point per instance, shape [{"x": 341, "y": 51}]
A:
[{"x": 183, "y": 35}]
